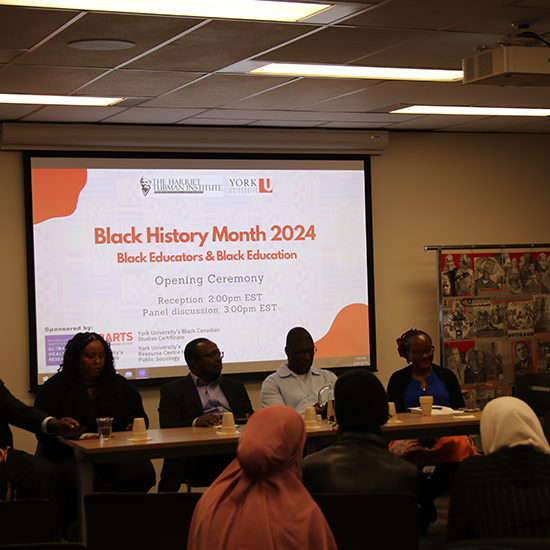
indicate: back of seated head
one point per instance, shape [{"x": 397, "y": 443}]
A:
[{"x": 360, "y": 402}]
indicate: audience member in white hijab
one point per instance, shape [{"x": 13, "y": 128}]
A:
[{"x": 505, "y": 493}]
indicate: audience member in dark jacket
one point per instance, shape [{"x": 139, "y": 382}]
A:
[{"x": 360, "y": 461}]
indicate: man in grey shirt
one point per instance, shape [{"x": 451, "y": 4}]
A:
[{"x": 297, "y": 383}]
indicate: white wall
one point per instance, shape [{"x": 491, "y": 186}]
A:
[
  {"x": 452, "y": 189},
  {"x": 428, "y": 188}
]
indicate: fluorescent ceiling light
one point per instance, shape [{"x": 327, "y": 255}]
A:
[
  {"x": 479, "y": 111},
  {"x": 24, "y": 99},
  {"x": 348, "y": 71},
  {"x": 234, "y": 9}
]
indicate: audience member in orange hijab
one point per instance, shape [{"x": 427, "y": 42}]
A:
[{"x": 259, "y": 500}]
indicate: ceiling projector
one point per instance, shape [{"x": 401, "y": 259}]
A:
[{"x": 508, "y": 65}]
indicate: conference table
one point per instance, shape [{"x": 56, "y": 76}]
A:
[
  {"x": 181, "y": 442},
  {"x": 412, "y": 425}
]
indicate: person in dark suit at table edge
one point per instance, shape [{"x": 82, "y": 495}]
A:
[
  {"x": 199, "y": 399},
  {"x": 35, "y": 476}
]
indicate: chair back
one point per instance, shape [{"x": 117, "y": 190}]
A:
[
  {"x": 383, "y": 521},
  {"x": 45, "y": 546},
  {"x": 534, "y": 389},
  {"x": 500, "y": 544},
  {"x": 139, "y": 521},
  {"x": 28, "y": 520}
]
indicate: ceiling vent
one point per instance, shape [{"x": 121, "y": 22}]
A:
[{"x": 508, "y": 66}]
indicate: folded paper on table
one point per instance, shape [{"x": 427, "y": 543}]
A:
[{"x": 436, "y": 410}]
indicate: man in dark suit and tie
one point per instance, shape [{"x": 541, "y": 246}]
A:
[
  {"x": 199, "y": 399},
  {"x": 32, "y": 475}
]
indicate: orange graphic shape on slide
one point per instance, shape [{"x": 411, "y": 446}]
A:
[
  {"x": 348, "y": 335},
  {"x": 55, "y": 192}
]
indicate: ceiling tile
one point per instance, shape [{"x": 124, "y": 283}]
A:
[
  {"x": 488, "y": 124},
  {"x": 532, "y": 97},
  {"x": 71, "y": 114},
  {"x": 357, "y": 125},
  {"x": 542, "y": 126},
  {"x": 382, "y": 95},
  {"x": 286, "y": 124},
  {"x": 441, "y": 50},
  {"x": 423, "y": 14},
  {"x": 533, "y": 3},
  {"x": 300, "y": 115},
  {"x": 429, "y": 122},
  {"x": 145, "y": 31},
  {"x": 338, "y": 45},
  {"x": 13, "y": 112},
  {"x": 24, "y": 27},
  {"x": 131, "y": 83},
  {"x": 300, "y": 93},
  {"x": 167, "y": 78},
  {"x": 215, "y": 91},
  {"x": 468, "y": 94},
  {"x": 218, "y": 44},
  {"x": 217, "y": 122},
  {"x": 18, "y": 79},
  {"x": 7, "y": 55},
  {"x": 499, "y": 21},
  {"x": 144, "y": 115}
]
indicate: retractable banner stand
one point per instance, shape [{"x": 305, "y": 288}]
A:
[
  {"x": 156, "y": 255},
  {"x": 494, "y": 316}
]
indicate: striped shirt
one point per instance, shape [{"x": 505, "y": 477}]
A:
[{"x": 503, "y": 494}]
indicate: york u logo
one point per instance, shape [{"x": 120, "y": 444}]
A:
[{"x": 265, "y": 185}]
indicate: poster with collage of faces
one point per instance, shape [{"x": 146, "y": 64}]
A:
[{"x": 495, "y": 319}]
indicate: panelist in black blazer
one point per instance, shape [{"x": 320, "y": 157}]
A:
[{"x": 199, "y": 399}]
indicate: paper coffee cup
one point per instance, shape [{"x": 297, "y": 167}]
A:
[
  {"x": 310, "y": 417},
  {"x": 426, "y": 402},
  {"x": 391, "y": 409},
  {"x": 228, "y": 423},
  {"x": 139, "y": 430}
]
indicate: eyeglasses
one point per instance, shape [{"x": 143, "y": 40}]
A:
[
  {"x": 419, "y": 353},
  {"x": 312, "y": 351},
  {"x": 212, "y": 355}
]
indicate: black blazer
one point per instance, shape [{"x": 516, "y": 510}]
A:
[
  {"x": 180, "y": 403},
  {"x": 13, "y": 411},
  {"x": 399, "y": 381}
]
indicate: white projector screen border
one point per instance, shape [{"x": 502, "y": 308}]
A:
[{"x": 153, "y": 250}]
